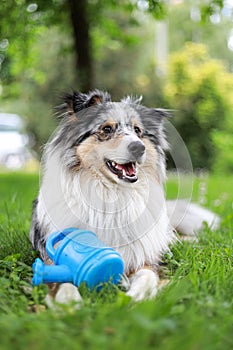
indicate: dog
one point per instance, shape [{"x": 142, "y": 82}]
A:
[{"x": 104, "y": 170}]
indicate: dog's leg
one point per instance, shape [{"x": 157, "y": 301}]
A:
[
  {"x": 143, "y": 284},
  {"x": 67, "y": 293},
  {"x": 64, "y": 293},
  {"x": 188, "y": 218}
]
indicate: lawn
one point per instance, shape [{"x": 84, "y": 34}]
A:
[{"x": 194, "y": 311}]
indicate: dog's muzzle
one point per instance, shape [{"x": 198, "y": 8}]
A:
[{"x": 127, "y": 171}]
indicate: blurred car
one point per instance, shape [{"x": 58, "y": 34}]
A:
[{"x": 14, "y": 152}]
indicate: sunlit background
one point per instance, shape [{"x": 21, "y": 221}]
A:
[{"x": 177, "y": 54}]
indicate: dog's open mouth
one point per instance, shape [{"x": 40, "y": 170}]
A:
[{"x": 126, "y": 172}]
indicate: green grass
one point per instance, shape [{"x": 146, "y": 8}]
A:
[{"x": 193, "y": 312}]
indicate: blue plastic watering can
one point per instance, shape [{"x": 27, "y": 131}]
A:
[{"x": 79, "y": 256}]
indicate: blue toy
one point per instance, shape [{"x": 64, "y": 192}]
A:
[{"x": 79, "y": 257}]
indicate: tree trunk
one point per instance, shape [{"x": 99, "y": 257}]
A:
[{"x": 82, "y": 42}]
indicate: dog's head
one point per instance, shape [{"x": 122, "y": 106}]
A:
[{"x": 111, "y": 139}]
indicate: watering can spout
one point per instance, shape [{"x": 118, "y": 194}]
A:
[{"x": 50, "y": 273}]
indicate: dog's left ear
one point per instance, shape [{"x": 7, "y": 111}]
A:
[
  {"x": 77, "y": 101},
  {"x": 153, "y": 118},
  {"x": 160, "y": 114},
  {"x": 153, "y": 123}
]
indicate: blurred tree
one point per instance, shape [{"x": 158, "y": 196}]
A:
[
  {"x": 80, "y": 17},
  {"x": 199, "y": 89},
  {"x": 80, "y": 22}
]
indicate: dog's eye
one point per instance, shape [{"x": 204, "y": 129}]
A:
[
  {"x": 137, "y": 130},
  {"x": 107, "y": 129}
]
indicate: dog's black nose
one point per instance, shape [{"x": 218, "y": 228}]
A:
[{"x": 137, "y": 149}]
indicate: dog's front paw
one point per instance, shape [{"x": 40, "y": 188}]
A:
[
  {"x": 67, "y": 293},
  {"x": 143, "y": 285}
]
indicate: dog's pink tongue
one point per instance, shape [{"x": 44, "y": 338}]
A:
[{"x": 129, "y": 168}]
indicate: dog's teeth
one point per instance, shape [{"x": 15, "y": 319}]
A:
[
  {"x": 123, "y": 172},
  {"x": 113, "y": 163}
]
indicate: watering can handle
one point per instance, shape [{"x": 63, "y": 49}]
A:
[{"x": 55, "y": 238}]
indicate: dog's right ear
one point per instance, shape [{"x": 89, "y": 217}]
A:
[{"x": 77, "y": 101}]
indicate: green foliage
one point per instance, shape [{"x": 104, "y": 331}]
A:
[
  {"x": 210, "y": 7},
  {"x": 20, "y": 35},
  {"x": 157, "y": 8},
  {"x": 16, "y": 292},
  {"x": 199, "y": 89},
  {"x": 213, "y": 35},
  {"x": 224, "y": 144}
]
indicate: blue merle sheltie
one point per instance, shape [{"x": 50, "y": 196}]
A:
[{"x": 104, "y": 170}]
